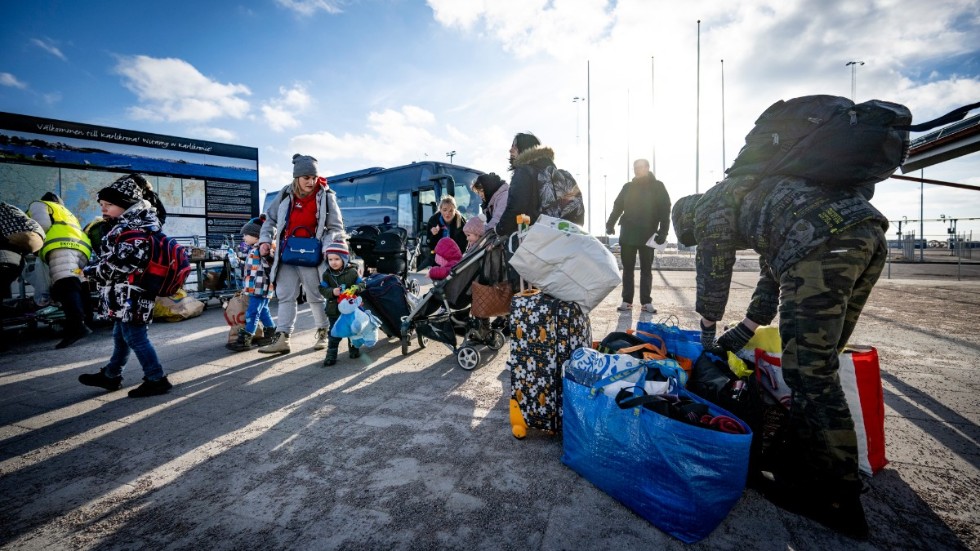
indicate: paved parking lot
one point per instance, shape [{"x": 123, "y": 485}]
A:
[{"x": 410, "y": 452}]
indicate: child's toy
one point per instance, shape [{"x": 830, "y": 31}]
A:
[{"x": 354, "y": 323}]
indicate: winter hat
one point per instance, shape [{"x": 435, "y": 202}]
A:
[
  {"x": 340, "y": 249},
  {"x": 682, "y": 216},
  {"x": 124, "y": 192},
  {"x": 303, "y": 165},
  {"x": 474, "y": 225},
  {"x": 448, "y": 249},
  {"x": 254, "y": 226}
]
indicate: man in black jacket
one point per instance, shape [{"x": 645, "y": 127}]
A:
[
  {"x": 527, "y": 158},
  {"x": 643, "y": 211}
]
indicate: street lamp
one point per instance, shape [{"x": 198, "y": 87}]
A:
[
  {"x": 451, "y": 154},
  {"x": 853, "y": 65}
]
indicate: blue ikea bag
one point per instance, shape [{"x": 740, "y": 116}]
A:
[
  {"x": 683, "y": 343},
  {"x": 684, "y": 479}
]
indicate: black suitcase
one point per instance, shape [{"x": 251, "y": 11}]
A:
[
  {"x": 384, "y": 296},
  {"x": 391, "y": 252}
]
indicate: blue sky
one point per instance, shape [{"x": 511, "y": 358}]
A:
[{"x": 362, "y": 83}]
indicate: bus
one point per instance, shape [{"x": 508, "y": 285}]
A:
[{"x": 406, "y": 195}]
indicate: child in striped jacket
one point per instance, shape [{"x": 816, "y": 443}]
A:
[{"x": 259, "y": 290}]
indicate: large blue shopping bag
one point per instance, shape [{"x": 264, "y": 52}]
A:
[
  {"x": 682, "y": 344},
  {"x": 682, "y": 478}
]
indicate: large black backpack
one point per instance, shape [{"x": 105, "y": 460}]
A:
[
  {"x": 560, "y": 195},
  {"x": 831, "y": 140}
]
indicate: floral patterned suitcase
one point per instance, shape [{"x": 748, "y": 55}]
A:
[{"x": 544, "y": 333}]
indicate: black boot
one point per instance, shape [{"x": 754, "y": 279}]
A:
[
  {"x": 151, "y": 388},
  {"x": 331, "y": 358},
  {"x": 353, "y": 351},
  {"x": 244, "y": 342},
  {"x": 265, "y": 339},
  {"x": 100, "y": 380}
]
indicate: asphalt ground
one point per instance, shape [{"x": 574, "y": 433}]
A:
[{"x": 250, "y": 451}]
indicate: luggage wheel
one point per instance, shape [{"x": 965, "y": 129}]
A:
[{"x": 468, "y": 358}]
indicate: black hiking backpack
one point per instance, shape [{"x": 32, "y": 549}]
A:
[
  {"x": 560, "y": 196},
  {"x": 831, "y": 139}
]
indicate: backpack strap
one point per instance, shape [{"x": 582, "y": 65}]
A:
[{"x": 953, "y": 116}]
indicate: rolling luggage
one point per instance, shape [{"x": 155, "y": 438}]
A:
[
  {"x": 384, "y": 296},
  {"x": 544, "y": 333}
]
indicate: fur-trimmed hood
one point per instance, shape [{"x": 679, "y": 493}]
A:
[{"x": 534, "y": 155}]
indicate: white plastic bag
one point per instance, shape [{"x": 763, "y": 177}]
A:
[
  {"x": 562, "y": 260},
  {"x": 659, "y": 247},
  {"x": 38, "y": 276}
]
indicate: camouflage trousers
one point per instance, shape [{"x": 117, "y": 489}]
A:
[{"x": 821, "y": 298}]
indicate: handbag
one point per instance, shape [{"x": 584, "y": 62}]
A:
[
  {"x": 490, "y": 301},
  {"x": 682, "y": 478},
  {"x": 301, "y": 251},
  {"x": 567, "y": 263}
]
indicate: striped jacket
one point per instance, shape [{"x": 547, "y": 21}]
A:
[{"x": 256, "y": 275}]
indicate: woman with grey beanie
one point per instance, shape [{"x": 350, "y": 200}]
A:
[{"x": 305, "y": 208}]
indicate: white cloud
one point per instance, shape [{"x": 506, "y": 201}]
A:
[
  {"x": 174, "y": 90},
  {"x": 309, "y": 7},
  {"x": 214, "y": 133},
  {"x": 561, "y": 28},
  {"x": 281, "y": 113},
  {"x": 7, "y": 79},
  {"x": 48, "y": 46}
]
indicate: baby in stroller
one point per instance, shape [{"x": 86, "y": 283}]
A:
[{"x": 445, "y": 309}]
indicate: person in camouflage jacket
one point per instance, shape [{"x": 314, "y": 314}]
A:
[{"x": 822, "y": 249}]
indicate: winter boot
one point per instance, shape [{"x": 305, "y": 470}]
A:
[
  {"x": 331, "y": 358},
  {"x": 321, "y": 338},
  {"x": 244, "y": 342},
  {"x": 151, "y": 388},
  {"x": 268, "y": 334},
  {"x": 100, "y": 380},
  {"x": 279, "y": 344},
  {"x": 353, "y": 351}
]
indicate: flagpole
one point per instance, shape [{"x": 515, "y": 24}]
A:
[
  {"x": 723, "y": 161},
  {"x": 653, "y": 118},
  {"x": 588, "y": 140}
]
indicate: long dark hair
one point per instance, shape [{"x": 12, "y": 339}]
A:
[{"x": 524, "y": 141}]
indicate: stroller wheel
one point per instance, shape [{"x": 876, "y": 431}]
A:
[
  {"x": 404, "y": 346},
  {"x": 497, "y": 340},
  {"x": 412, "y": 286},
  {"x": 468, "y": 358},
  {"x": 422, "y": 340}
]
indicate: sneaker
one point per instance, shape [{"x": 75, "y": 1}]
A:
[
  {"x": 321, "y": 339},
  {"x": 151, "y": 388},
  {"x": 649, "y": 308},
  {"x": 625, "y": 307},
  {"x": 100, "y": 380},
  {"x": 70, "y": 338}
]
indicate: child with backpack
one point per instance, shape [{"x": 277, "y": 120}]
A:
[
  {"x": 339, "y": 276},
  {"x": 259, "y": 290},
  {"x": 127, "y": 249}
]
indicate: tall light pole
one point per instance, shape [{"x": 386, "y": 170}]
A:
[
  {"x": 653, "y": 116},
  {"x": 853, "y": 65},
  {"x": 723, "y": 161},
  {"x": 577, "y": 101},
  {"x": 451, "y": 154},
  {"x": 697, "y": 124}
]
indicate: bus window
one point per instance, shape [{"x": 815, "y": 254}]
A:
[
  {"x": 368, "y": 192},
  {"x": 406, "y": 212},
  {"x": 429, "y": 204},
  {"x": 466, "y": 199}
]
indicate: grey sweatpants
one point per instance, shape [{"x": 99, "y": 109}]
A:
[{"x": 288, "y": 281}]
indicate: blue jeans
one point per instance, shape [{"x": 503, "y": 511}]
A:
[
  {"x": 129, "y": 336},
  {"x": 258, "y": 310}
]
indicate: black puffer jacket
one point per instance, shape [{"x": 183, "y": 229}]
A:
[
  {"x": 644, "y": 205},
  {"x": 523, "y": 197}
]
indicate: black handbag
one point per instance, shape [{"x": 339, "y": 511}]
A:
[{"x": 301, "y": 251}]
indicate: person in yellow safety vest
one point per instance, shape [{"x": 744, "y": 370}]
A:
[{"x": 66, "y": 250}]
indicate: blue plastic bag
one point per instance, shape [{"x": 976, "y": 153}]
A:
[
  {"x": 684, "y": 479},
  {"x": 682, "y": 343}
]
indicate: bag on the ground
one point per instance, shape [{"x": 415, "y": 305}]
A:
[
  {"x": 37, "y": 274},
  {"x": 301, "y": 250},
  {"x": 235, "y": 309},
  {"x": 564, "y": 261},
  {"x": 560, "y": 195},
  {"x": 683, "y": 345},
  {"x": 169, "y": 265},
  {"x": 681, "y": 477},
  {"x": 178, "y": 307}
]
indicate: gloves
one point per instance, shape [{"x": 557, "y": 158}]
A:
[
  {"x": 610, "y": 230},
  {"x": 659, "y": 239},
  {"x": 735, "y": 338},
  {"x": 708, "y": 336}
]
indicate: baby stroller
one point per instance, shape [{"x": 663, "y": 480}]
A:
[
  {"x": 385, "y": 252},
  {"x": 445, "y": 310}
]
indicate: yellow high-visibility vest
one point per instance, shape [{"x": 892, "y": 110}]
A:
[{"x": 65, "y": 232}]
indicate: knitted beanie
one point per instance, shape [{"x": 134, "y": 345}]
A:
[
  {"x": 475, "y": 225},
  {"x": 254, "y": 226},
  {"x": 340, "y": 249},
  {"x": 124, "y": 192},
  {"x": 303, "y": 165}
]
